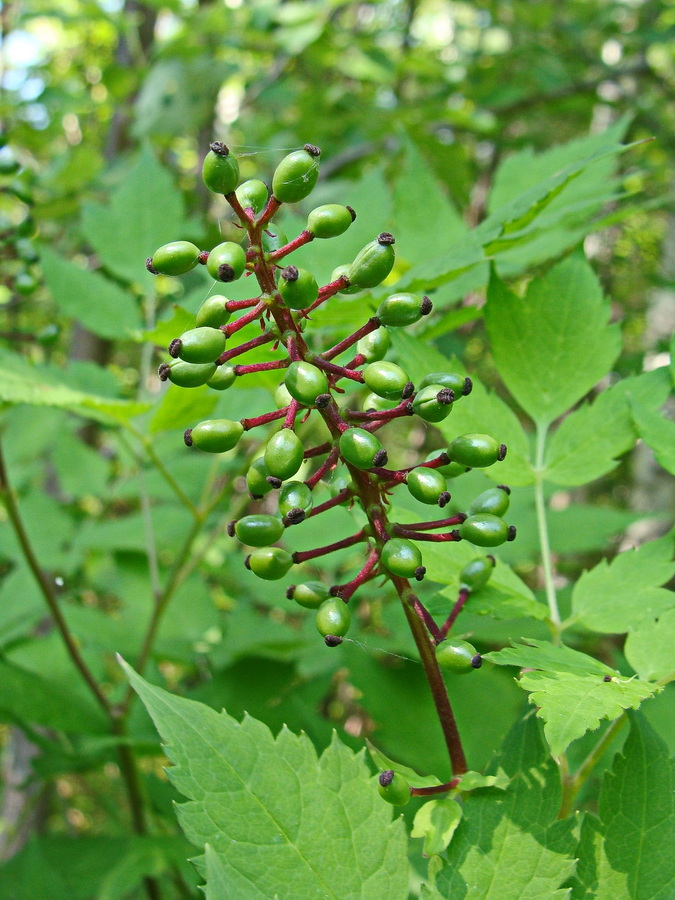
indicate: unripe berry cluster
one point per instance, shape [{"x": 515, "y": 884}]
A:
[{"x": 312, "y": 385}]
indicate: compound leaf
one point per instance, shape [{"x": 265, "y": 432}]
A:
[
  {"x": 658, "y": 432},
  {"x": 615, "y": 597},
  {"x": 626, "y": 854},
  {"x": 507, "y": 846},
  {"x": 281, "y": 821},
  {"x": 649, "y": 649},
  {"x": 554, "y": 344}
]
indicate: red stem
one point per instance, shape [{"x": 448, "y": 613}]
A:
[
  {"x": 462, "y": 597},
  {"x": 303, "y": 238},
  {"x": 234, "y": 305},
  {"x": 374, "y": 419},
  {"x": 261, "y": 367},
  {"x": 244, "y": 320},
  {"x": 400, "y": 531},
  {"x": 304, "y": 555},
  {"x": 289, "y": 421},
  {"x": 238, "y": 209},
  {"x": 240, "y": 349},
  {"x": 435, "y": 789},
  {"x": 337, "y": 371},
  {"x": 273, "y": 206},
  {"x": 346, "y": 591},
  {"x": 371, "y": 325},
  {"x": 264, "y": 419},
  {"x": 438, "y": 523},
  {"x": 329, "y": 463},
  {"x": 337, "y": 500},
  {"x": 319, "y": 450}
]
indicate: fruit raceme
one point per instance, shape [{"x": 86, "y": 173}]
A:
[{"x": 354, "y": 459}]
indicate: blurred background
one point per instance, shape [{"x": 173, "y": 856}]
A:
[{"x": 422, "y": 108}]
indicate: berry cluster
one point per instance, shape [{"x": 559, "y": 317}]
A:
[
  {"x": 17, "y": 226},
  {"x": 312, "y": 386}
]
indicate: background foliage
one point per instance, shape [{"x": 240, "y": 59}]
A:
[{"x": 500, "y": 123}]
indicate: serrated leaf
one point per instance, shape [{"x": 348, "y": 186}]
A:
[
  {"x": 144, "y": 212},
  {"x": 554, "y": 344},
  {"x": 90, "y": 298},
  {"x": 414, "y": 179},
  {"x": 507, "y": 846},
  {"x": 543, "y": 655},
  {"x": 649, "y": 649},
  {"x": 615, "y": 597},
  {"x": 382, "y": 762},
  {"x": 626, "y": 854},
  {"x": 436, "y": 821},
  {"x": 22, "y": 383},
  {"x": 658, "y": 432},
  {"x": 317, "y": 826},
  {"x": 572, "y": 704},
  {"x": 589, "y": 441}
]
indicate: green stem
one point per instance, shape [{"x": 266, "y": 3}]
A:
[
  {"x": 573, "y": 784},
  {"x": 162, "y": 469},
  {"x": 542, "y": 528},
  {"x": 47, "y": 589}
]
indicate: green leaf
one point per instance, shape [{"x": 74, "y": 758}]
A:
[
  {"x": 183, "y": 408},
  {"x": 90, "y": 298},
  {"x": 572, "y": 704},
  {"x": 626, "y": 854},
  {"x": 649, "y": 649},
  {"x": 166, "y": 330},
  {"x": 382, "y": 762},
  {"x": 615, "y": 597},
  {"x": 317, "y": 825},
  {"x": 28, "y": 697},
  {"x": 534, "y": 654},
  {"x": 144, "y": 212},
  {"x": 658, "y": 432},
  {"x": 554, "y": 344},
  {"x": 471, "y": 781},
  {"x": 517, "y": 826},
  {"x": 436, "y": 821},
  {"x": 569, "y": 689},
  {"x": 589, "y": 441},
  {"x": 414, "y": 180}
]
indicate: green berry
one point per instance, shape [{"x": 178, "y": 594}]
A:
[
  {"x": 282, "y": 397},
  {"x": 428, "y": 486},
  {"x": 495, "y": 500},
  {"x": 476, "y": 450},
  {"x": 253, "y": 195},
  {"x": 256, "y": 478},
  {"x": 338, "y": 273},
  {"x": 295, "y": 176},
  {"x": 372, "y": 401},
  {"x": 305, "y": 382},
  {"x": 258, "y": 530},
  {"x": 226, "y": 262},
  {"x": 401, "y": 557},
  {"x": 374, "y": 346},
  {"x": 284, "y": 454},
  {"x": 451, "y": 469},
  {"x": 333, "y": 617},
  {"x": 458, "y": 384},
  {"x": 269, "y": 563},
  {"x": 214, "y": 435},
  {"x": 403, "y": 309},
  {"x": 175, "y": 258},
  {"x": 212, "y": 312},
  {"x": 433, "y": 403},
  {"x": 298, "y": 287},
  {"x": 393, "y": 788},
  {"x": 476, "y": 573},
  {"x": 220, "y": 170},
  {"x": 310, "y": 595},
  {"x": 295, "y": 500},
  {"x": 485, "y": 530},
  {"x": 458, "y": 657},
  {"x": 385, "y": 379},
  {"x": 199, "y": 345},
  {"x": 223, "y": 378},
  {"x": 373, "y": 263},
  {"x": 187, "y": 375},
  {"x": 362, "y": 449},
  {"x": 339, "y": 479},
  {"x": 330, "y": 221}
]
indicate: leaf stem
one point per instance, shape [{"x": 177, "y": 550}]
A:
[
  {"x": 572, "y": 784},
  {"x": 542, "y": 528}
]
